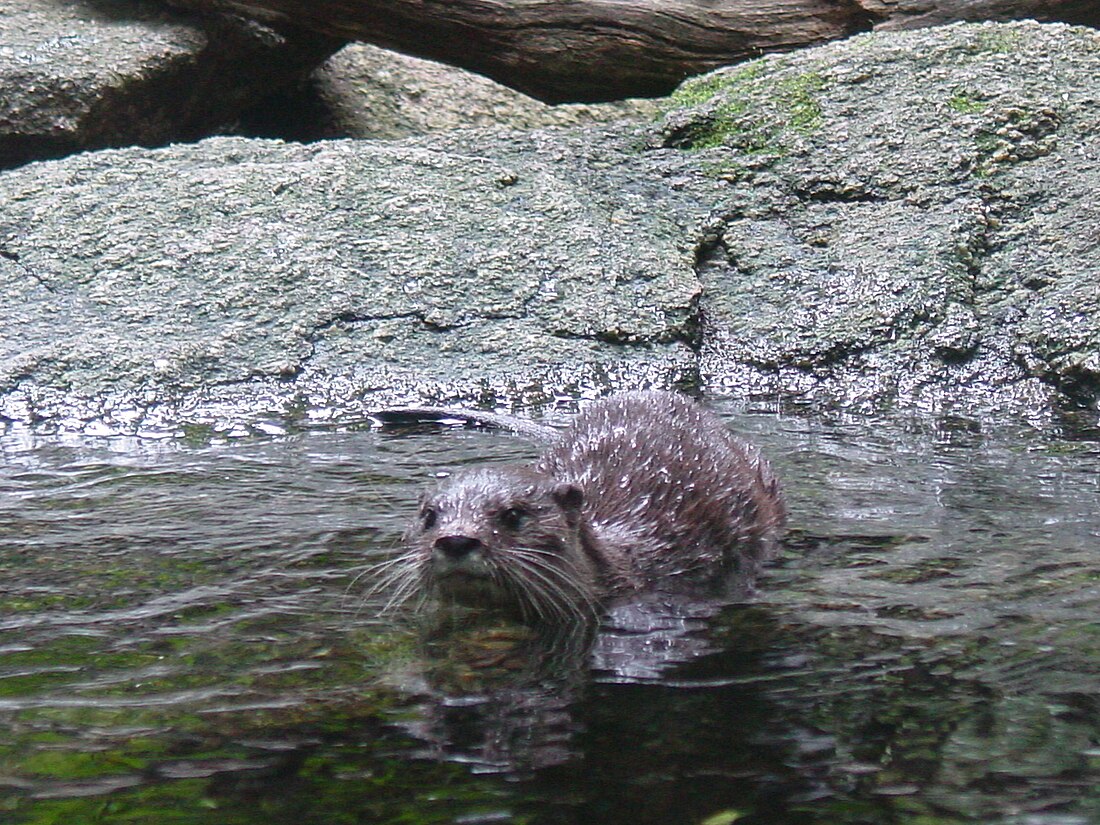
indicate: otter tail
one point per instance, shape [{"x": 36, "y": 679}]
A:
[{"x": 445, "y": 416}]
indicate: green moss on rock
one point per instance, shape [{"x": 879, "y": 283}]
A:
[
  {"x": 966, "y": 102},
  {"x": 753, "y": 109}
]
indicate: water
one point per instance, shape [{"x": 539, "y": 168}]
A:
[{"x": 183, "y": 639}]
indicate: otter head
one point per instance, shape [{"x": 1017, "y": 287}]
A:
[{"x": 506, "y": 538}]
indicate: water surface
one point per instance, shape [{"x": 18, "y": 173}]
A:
[{"x": 183, "y": 639}]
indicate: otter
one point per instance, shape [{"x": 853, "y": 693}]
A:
[{"x": 643, "y": 490}]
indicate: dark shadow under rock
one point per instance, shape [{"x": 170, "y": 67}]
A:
[{"x": 96, "y": 73}]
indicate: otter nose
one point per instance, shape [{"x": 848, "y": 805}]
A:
[{"x": 456, "y": 547}]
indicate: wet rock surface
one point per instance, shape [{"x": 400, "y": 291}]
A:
[
  {"x": 236, "y": 278},
  {"x": 909, "y": 218},
  {"x": 897, "y": 219}
]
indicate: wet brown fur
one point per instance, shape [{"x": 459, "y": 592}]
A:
[{"x": 642, "y": 490}]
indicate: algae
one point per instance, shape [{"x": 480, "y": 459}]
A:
[
  {"x": 966, "y": 102},
  {"x": 753, "y": 109}
]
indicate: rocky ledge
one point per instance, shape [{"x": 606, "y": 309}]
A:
[{"x": 903, "y": 219}]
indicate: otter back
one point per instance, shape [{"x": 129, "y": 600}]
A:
[{"x": 670, "y": 492}]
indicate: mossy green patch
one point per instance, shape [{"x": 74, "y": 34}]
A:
[
  {"x": 798, "y": 96},
  {"x": 67, "y": 764},
  {"x": 64, "y": 659},
  {"x": 39, "y": 602},
  {"x": 966, "y": 102},
  {"x": 998, "y": 40},
  {"x": 699, "y": 90},
  {"x": 751, "y": 110},
  {"x": 987, "y": 142}
]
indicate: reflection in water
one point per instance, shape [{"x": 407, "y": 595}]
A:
[
  {"x": 501, "y": 698},
  {"x": 642, "y": 638},
  {"x": 178, "y": 642}
]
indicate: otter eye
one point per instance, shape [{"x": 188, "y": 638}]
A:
[
  {"x": 428, "y": 518},
  {"x": 512, "y": 518}
]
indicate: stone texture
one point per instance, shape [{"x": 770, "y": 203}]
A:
[
  {"x": 374, "y": 93},
  {"x": 93, "y": 73},
  {"x": 280, "y": 278},
  {"x": 910, "y": 218},
  {"x": 904, "y": 219}
]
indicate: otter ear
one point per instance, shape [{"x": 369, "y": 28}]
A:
[{"x": 569, "y": 497}]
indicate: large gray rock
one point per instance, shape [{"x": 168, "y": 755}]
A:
[
  {"x": 216, "y": 282},
  {"x": 912, "y": 217},
  {"x": 903, "y": 218},
  {"x": 86, "y": 74},
  {"x": 374, "y": 93}
]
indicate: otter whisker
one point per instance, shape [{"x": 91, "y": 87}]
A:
[
  {"x": 524, "y": 593},
  {"x": 373, "y": 569},
  {"x": 560, "y": 580},
  {"x": 364, "y": 598},
  {"x": 392, "y": 571},
  {"x": 400, "y": 574},
  {"x": 555, "y": 594},
  {"x": 400, "y": 580},
  {"x": 529, "y": 593},
  {"x": 410, "y": 582},
  {"x": 384, "y": 569},
  {"x": 385, "y": 564},
  {"x": 421, "y": 600},
  {"x": 576, "y": 577}
]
